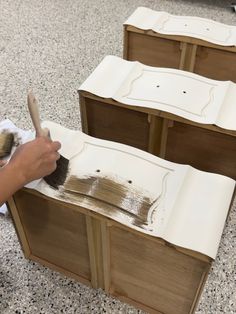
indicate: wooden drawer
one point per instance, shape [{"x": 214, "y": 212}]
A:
[
  {"x": 173, "y": 114},
  {"x": 125, "y": 221},
  {"x": 138, "y": 269},
  {"x": 208, "y": 49}
]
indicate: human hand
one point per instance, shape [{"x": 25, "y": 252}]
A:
[{"x": 35, "y": 159}]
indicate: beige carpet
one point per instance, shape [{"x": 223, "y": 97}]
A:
[{"x": 52, "y": 46}]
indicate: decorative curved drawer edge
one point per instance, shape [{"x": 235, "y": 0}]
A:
[
  {"x": 196, "y": 27},
  {"x": 182, "y": 93},
  {"x": 191, "y": 206}
]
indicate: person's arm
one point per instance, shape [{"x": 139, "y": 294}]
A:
[{"x": 30, "y": 161}]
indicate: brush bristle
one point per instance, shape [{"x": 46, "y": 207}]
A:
[
  {"x": 58, "y": 177},
  {"x": 6, "y": 144}
]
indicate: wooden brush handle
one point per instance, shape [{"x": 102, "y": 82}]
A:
[{"x": 34, "y": 114}]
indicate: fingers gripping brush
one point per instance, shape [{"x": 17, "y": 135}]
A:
[{"x": 58, "y": 176}]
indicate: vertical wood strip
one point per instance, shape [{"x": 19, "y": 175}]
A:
[
  {"x": 98, "y": 251},
  {"x": 200, "y": 289},
  {"x": 193, "y": 58},
  {"x": 92, "y": 252},
  {"x": 106, "y": 255},
  {"x": 125, "y": 43},
  {"x": 183, "y": 48},
  {"x": 19, "y": 227},
  {"x": 83, "y": 113},
  {"x": 155, "y": 134},
  {"x": 188, "y": 57},
  {"x": 164, "y": 136}
]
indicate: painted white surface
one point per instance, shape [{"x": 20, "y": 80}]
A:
[
  {"x": 191, "y": 205},
  {"x": 165, "y": 23},
  {"x": 198, "y": 211},
  {"x": 227, "y": 115},
  {"x": 182, "y": 93}
]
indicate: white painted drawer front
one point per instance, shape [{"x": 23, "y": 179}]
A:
[
  {"x": 165, "y": 23},
  {"x": 182, "y": 93}
]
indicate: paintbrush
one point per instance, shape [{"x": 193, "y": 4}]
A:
[
  {"x": 6, "y": 144},
  {"x": 57, "y": 177}
]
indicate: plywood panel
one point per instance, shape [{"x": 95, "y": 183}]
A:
[
  {"x": 216, "y": 64},
  {"x": 154, "y": 274},
  {"x": 55, "y": 232},
  {"x": 153, "y": 51},
  {"x": 203, "y": 149},
  {"x": 117, "y": 124}
]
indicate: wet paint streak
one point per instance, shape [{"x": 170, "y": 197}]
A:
[
  {"x": 127, "y": 199},
  {"x": 105, "y": 208}
]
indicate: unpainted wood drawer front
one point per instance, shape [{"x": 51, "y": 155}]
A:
[
  {"x": 216, "y": 64},
  {"x": 154, "y": 51},
  {"x": 154, "y": 274},
  {"x": 55, "y": 232},
  {"x": 117, "y": 124},
  {"x": 203, "y": 149}
]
